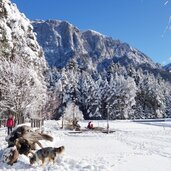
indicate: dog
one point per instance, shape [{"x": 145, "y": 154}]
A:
[
  {"x": 10, "y": 155},
  {"x": 49, "y": 153},
  {"x": 23, "y": 146},
  {"x": 28, "y": 134}
]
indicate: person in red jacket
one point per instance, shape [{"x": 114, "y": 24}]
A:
[
  {"x": 90, "y": 125},
  {"x": 10, "y": 124}
]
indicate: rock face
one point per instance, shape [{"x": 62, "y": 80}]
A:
[
  {"x": 62, "y": 41},
  {"x": 167, "y": 67},
  {"x": 22, "y": 61}
]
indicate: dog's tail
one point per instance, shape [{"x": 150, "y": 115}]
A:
[
  {"x": 35, "y": 136},
  {"x": 60, "y": 150},
  {"x": 47, "y": 137}
]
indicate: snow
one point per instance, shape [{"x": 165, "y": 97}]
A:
[
  {"x": 95, "y": 32},
  {"x": 142, "y": 146}
]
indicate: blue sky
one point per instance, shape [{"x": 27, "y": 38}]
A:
[{"x": 141, "y": 23}]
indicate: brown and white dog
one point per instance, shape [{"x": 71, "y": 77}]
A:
[
  {"x": 49, "y": 153},
  {"x": 10, "y": 155},
  {"x": 25, "y": 138}
]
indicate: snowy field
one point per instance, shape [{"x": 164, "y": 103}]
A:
[{"x": 134, "y": 146}]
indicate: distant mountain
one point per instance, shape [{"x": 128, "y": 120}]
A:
[
  {"x": 62, "y": 41},
  {"x": 103, "y": 77},
  {"x": 22, "y": 63},
  {"x": 167, "y": 67}
]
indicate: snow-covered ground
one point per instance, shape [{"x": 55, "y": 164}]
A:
[{"x": 142, "y": 146}]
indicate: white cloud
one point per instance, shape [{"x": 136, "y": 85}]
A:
[{"x": 166, "y": 3}]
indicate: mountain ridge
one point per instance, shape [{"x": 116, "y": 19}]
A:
[
  {"x": 70, "y": 41},
  {"x": 168, "y": 67}
]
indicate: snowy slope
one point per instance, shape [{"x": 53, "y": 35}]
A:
[{"x": 134, "y": 146}]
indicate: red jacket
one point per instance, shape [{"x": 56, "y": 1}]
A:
[
  {"x": 10, "y": 122},
  {"x": 90, "y": 125}
]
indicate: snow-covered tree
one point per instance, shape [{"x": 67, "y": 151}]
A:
[
  {"x": 150, "y": 97},
  {"x": 71, "y": 113},
  {"x": 54, "y": 93},
  {"x": 166, "y": 89},
  {"x": 89, "y": 96},
  {"x": 22, "y": 63},
  {"x": 120, "y": 97},
  {"x": 20, "y": 89}
]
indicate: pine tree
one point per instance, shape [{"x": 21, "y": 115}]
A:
[{"x": 150, "y": 98}]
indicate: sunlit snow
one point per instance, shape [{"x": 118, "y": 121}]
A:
[{"x": 142, "y": 146}]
